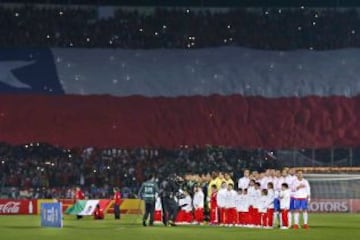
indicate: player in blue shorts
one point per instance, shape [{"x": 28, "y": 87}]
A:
[{"x": 301, "y": 189}]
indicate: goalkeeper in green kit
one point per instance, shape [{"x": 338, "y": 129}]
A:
[{"x": 148, "y": 192}]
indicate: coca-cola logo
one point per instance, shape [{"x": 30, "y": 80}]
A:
[
  {"x": 329, "y": 206},
  {"x": 10, "y": 207}
]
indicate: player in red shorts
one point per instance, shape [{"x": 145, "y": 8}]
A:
[
  {"x": 213, "y": 206},
  {"x": 198, "y": 203}
]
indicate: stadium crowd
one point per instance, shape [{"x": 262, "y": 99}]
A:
[
  {"x": 41, "y": 170},
  {"x": 44, "y": 171},
  {"x": 301, "y": 28}
]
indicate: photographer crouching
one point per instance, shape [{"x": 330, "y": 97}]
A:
[{"x": 170, "y": 193}]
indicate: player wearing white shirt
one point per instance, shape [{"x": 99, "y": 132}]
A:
[
  {"x": 247, "y": 202},
  {"x": 221, "y": 201},
  {"x": 264, "y": 204},
  {"x": 158, "y": 210},
  {"x": 266, "y": 178},
  {"x": 261, "y": 179},
  {"x": 253, "y": 194},
  {"x": 279, "y": 179},
  {"x": 273, "y": 175},
  {"x": 289, "y": 179},
  {"x": 263, "y": 182},
  {"x": 185, "y": 213},
  {"x": 255, "y": 175},
  {"x": 301, "y": 189},
  {"x": 251, "y": 189},
  {"x": 239, "y": 200},
  {"x": 198, "y": 203},
  {"x": 271, "y": 207},
  {"x": 255, "y": 198},
  {"x": 284, "y": 205},
  {"x": 243, "y": 182},
  {"x": 230, "y": 205}
]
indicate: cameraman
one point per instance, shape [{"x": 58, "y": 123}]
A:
[{"x": 169, "y": 193}]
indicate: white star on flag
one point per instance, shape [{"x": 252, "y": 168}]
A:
[{"x": 6, "y": 75}]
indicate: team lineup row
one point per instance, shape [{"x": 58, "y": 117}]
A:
[{"x": 263, "y": 201}]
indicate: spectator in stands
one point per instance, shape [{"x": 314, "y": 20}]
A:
[{"x": 300, "y": 28}]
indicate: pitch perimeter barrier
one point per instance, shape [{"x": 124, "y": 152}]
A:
[
  {"x": 136, "y": 206},
  {"x": 335, "y": 205},
  {"x": 18, "y": 207},
  {"x": 129, "y": 206}
]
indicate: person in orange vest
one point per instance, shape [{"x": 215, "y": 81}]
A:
[{"x": 117, "y": 202}]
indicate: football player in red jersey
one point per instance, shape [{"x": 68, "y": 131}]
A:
[
  {"x": 117, "y": 202},
  {"x": 213, "y": 205},
  {"x": 79, "y": 195}
]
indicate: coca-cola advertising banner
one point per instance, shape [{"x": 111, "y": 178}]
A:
[
  {"x": 15, "y": 207},
  {"x": 335, "y": 205}
]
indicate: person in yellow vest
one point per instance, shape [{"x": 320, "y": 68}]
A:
[
  {"x": 215, "y": 180},
  {"x": 228, "y": 180},
  {"x": 220, "y": 179}
]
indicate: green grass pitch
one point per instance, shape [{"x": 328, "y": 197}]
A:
[{"x": 322, "y": 227}]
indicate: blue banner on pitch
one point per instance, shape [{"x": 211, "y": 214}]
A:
[{"x": 51, "y": 215}]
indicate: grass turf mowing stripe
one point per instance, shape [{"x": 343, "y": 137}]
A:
[{"x": 322, "y": 227}]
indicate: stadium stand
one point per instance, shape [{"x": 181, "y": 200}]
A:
[
  {"x": 43, "y": 171},
  {"x": 178, "y": 28}
]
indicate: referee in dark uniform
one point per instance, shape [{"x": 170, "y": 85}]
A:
[{"x": 147, "y": 192}]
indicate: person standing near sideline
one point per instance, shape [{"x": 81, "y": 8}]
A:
[
  {"x": 79, "y": 195},
  {"x": 117, "y": 202},
  {"x": 148, "y": 192}
]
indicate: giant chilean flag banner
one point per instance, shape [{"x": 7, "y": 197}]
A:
[{"x": 166, "y": 98}]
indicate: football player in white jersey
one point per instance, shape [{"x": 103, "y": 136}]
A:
[{"x": 301, "y": 190}]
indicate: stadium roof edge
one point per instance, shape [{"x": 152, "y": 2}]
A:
[{"x": 201, "y": 3}]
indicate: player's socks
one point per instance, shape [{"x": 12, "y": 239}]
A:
[
  {"x": 296, "y": 218},
  {"x": 279, "y": 219},
  {"x": 305, "y": 217},
  {"x": 276, "y": 219},
  {"x": 290, "y": 219}
]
